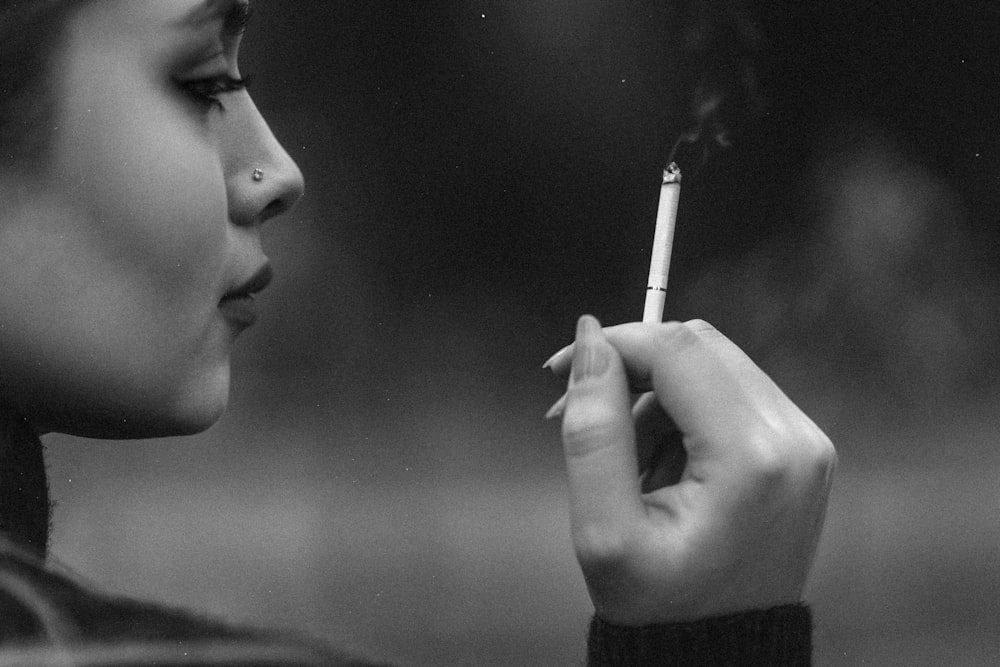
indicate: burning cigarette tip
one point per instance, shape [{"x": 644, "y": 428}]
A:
[{"x": 671, "y": 173}]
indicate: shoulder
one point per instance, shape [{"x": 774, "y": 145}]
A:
[{"x": 49, "y": 618}]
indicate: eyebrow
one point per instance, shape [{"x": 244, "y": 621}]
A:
[{"x": 235, "y": 14}]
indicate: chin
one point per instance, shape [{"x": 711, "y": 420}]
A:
[
  {"x": 192, "y": 421},
  {"x": 177, "y": 411},
  {"x": 193, "y": 410},
  {"x": 134, "y": 423}
]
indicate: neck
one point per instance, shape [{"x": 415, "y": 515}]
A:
[{"x": 24, "y": 491}]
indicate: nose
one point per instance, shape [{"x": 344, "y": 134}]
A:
[{"x": 262, "y": 179}]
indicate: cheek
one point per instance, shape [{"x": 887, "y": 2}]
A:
[
  {"x": 149, "y": 179},
  {"x": 116, "y": 287},
  {"x": 85, "y": 349}
]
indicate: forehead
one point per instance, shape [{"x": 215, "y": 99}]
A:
[
  {"x": 166, "y": 13},
  {"x": 166, "y": 30}
]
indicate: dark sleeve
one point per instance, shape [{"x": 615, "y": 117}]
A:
[{"x": 776, "y": 637}]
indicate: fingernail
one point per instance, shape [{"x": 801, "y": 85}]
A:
[
  {"x": 590, "y": 358},
  {"x": 557, "y": 409},
  {"x": 555, "y": 357}
]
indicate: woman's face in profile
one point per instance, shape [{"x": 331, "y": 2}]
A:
[{"x": 124, "y": 266}]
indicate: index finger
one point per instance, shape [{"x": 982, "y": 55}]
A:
[
  {"x": 599, "y": 439},
  {"x": 714, "y": 393},
  {"x": 632, "y": 337}
]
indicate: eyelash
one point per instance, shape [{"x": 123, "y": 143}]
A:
[{"x": 206, "y": 92}]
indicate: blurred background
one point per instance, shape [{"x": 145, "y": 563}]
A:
[{"x": 482, "y": 172}]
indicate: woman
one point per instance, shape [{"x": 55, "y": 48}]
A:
[{"x": 137, "y": 175}]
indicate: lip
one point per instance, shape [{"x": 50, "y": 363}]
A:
[
  {"x": 239, "y": 311},
  {"x": 238, "y": 306}
]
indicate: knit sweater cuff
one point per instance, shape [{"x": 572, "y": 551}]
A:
[{"x": 777, "y": 637}]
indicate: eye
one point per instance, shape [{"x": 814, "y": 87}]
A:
[{"x": 206, "y": 92}]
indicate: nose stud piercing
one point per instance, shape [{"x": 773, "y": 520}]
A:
[{"x": 258, "y": 175}]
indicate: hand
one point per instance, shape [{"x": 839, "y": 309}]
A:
[{"x": 715, "y": 509}]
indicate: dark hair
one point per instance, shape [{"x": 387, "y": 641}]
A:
[{"x": 30, "y": 31}]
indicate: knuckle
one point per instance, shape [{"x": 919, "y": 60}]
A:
[
  {"x": 811, "y": 444},
  {"x": 824, "y": 454},
  {"x": 676, "y": 335},
  {"x": 589, "y": 429},
  {"x": 833, "y": 459},
  {"x": 765, "y": 460},
  {"x": 679, "y": 335},
  {"x": 700, "y": 326},
  {"x": 601, "y": 548},
  {"x": 776, "y": 456}
]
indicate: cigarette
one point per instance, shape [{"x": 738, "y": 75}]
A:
[{"x": 663, "y": 243}]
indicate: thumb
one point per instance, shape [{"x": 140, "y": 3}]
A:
[{"x": 599, "y": 437}]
